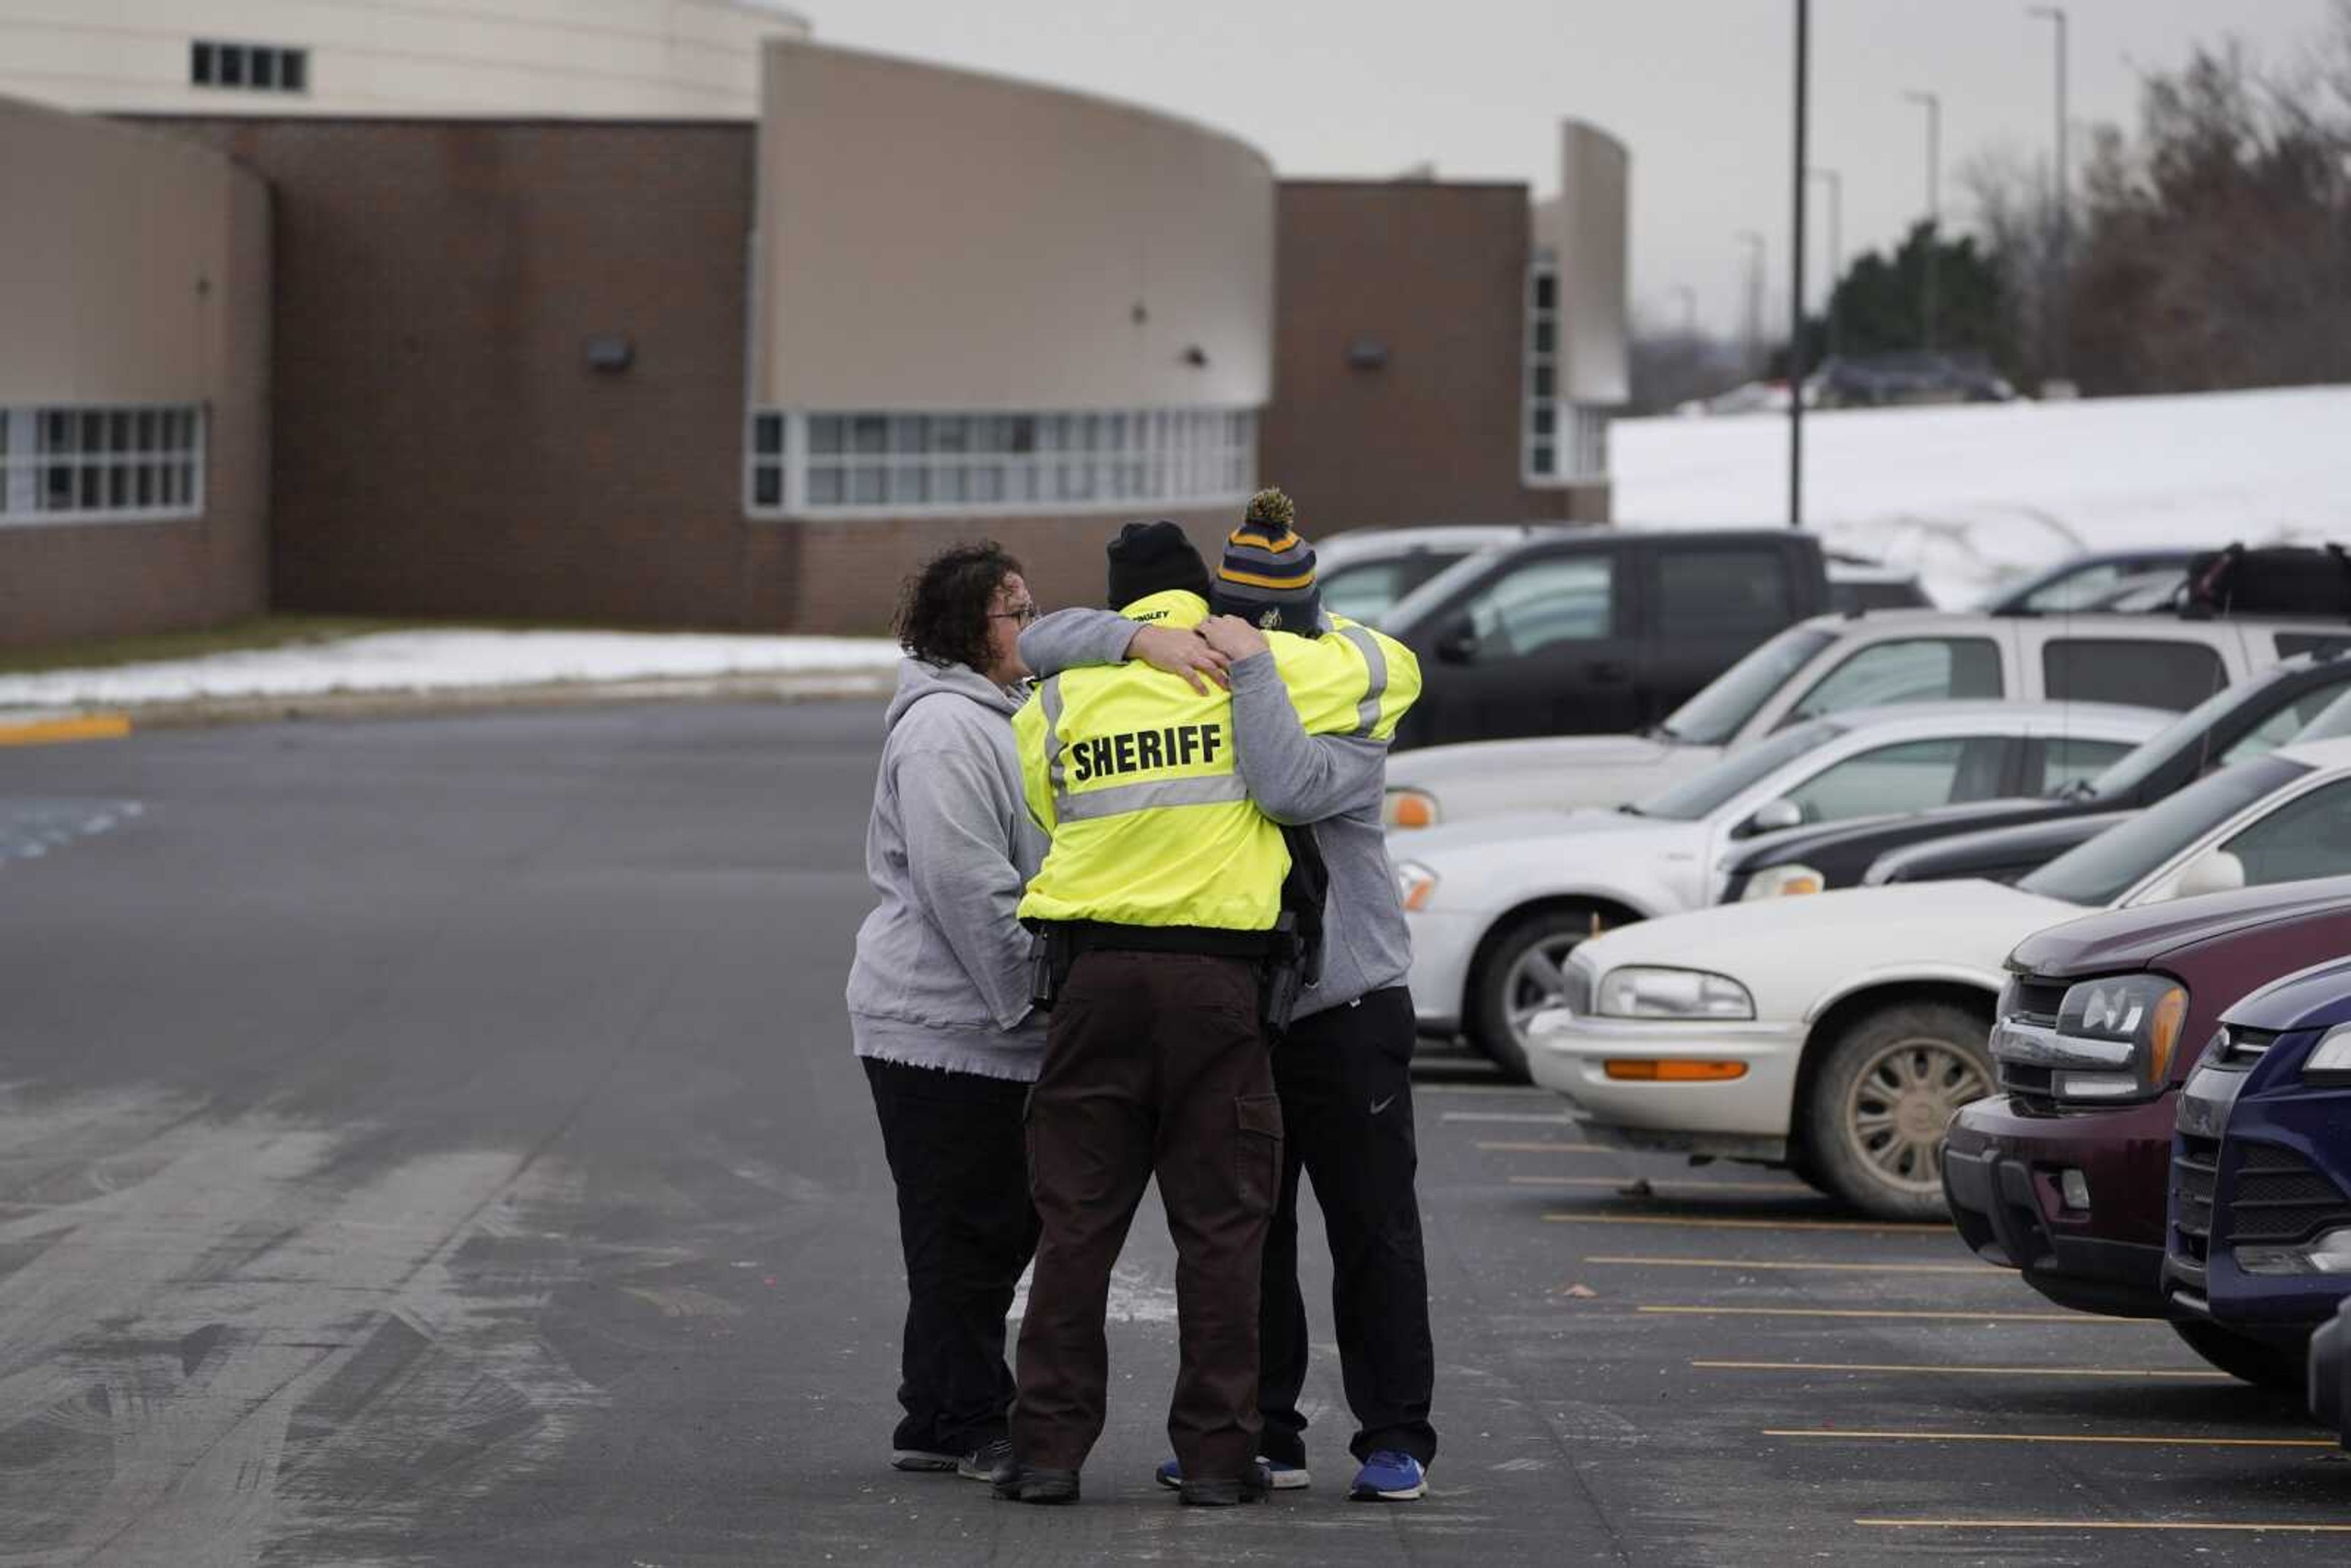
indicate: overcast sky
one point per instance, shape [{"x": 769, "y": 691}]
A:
[{"x": 1699, "y": 90}]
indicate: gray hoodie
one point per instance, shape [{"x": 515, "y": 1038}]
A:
[
  {"x": 1333, "y": 781},
  {"x": 941, "y": 978}
]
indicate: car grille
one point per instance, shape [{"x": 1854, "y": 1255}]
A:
[
  {"x": 2245, "y": 1046},
  {"x": 2031, "y": 1001},
  {"x": 2035, "y": 1001},
  {"x": 2276, "y": 1197}
]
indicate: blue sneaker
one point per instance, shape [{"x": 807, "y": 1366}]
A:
[
  {"x": 1281, "y": 1476},
  {"x": 1389, "y": 1476}
]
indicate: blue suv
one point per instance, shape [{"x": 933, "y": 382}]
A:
[{"x": 2259, "y": 1241}]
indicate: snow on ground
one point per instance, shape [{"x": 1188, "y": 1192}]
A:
[
  {"x": 1971, "y": 494},
  {"x": 446, "y": 661}
]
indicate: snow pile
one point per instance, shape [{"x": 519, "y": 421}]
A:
[
  {"x": 1970, "y": 496},
  {"x": 449, "y": 661}
]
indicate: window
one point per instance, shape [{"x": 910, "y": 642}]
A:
[
  {"x": 2289, "y": 722},
  {"x": 2068, "y": 760},
  {"x": 1910, "y": 777},
  {"x": 819, "y": 462},
  {"x": 2308, "y": 837},
  {"x": 256, "y": 68},
  {"x": 1716, "y": 715},
  {"x": 1546, "y": 602},
  {"x": 2171, "y": 676},
  {"x": 101, "y": 465},
  {"x": 2288, "y": 643},
  {"x": 1913, "y": 670},
  {"x": 1563, "y": 443},
  {"x": 1722, "y": 592},
  {"x": 2101, "y": 870}
]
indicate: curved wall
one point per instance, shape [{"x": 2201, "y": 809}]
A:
[{"x": 652, "y": 59}]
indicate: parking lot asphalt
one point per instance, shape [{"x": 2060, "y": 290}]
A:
[{"x": 437, "y": 1141}]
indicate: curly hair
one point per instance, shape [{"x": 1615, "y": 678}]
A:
[{"x": 942, "y": 609}]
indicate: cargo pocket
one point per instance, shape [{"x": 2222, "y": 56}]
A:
[{"x": 1257, "y": 1151}]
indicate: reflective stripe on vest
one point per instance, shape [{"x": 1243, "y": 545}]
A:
[{"x": 1375, "y": 668}]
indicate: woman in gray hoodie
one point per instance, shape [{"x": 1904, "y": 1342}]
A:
[{"x": 938, "y": 999}]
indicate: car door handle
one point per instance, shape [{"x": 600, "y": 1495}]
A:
[{"x": 1609, "y": 672}]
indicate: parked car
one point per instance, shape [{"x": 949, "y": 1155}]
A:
[
  {"x": 2330, "y": 1374},
  {"x": 2078, "y": 582},
  {"x": 1906, "y": 377},
  {"x": 2061, "y": 1172},
  {"x": 1496, "y": 904},
  {"x": 1364, "y": 573},
  {"x": 1993, "y": 854},
  {"x": 1838, "y": 1034},
  {"x": 2255, "y": 715},
  {"x": 1580, "y": 631},
  {"x": 1831, "y": 663},
  {"x": 2258, "y": 1251}
]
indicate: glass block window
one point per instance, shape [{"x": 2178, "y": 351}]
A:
[
  {"x": 248, "y": 67},
  {"x": 823, "y": 462},
  {"x": 1563, "y": 443},
  {"x": 101, "y": 465}
]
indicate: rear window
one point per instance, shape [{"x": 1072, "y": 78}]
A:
[
  {"x": 2174, "y": 676},
  {"x": 1721, "y": 590},
  {"x": 1906, "y": 670}
]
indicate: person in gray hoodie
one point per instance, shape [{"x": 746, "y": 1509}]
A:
[{"x": 938, "y": 999}]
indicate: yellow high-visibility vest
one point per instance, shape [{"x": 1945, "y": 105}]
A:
[{"x": 1132, "y": 773}]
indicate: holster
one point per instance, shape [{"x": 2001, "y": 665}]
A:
[
  {"x": 1051, "y": 953},
  {"x": 1284, "y": 975}
]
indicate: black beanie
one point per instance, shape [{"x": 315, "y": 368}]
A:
[{"x": 1154, "y": 557}]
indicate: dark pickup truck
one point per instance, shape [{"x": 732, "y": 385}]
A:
[
  {"x": 2261, "y": 712},
  {"x": 1596, "y": 630}
]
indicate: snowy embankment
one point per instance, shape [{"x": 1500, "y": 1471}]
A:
[
  {"x": 1966, "y": 496},
  {"x": 449, "y": 662}
]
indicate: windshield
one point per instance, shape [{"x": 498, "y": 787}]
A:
[
  {"x": 1707, "y": 791},
  {"x": 2333, "y": 723},
  {"x": 1368, "y": 589},
  {"x": 2131, "y": 770},
  {"x": 1723, "y": 708},
  {"x": 1415, "y": 606},
  {"x": 2099, "y": 872}
]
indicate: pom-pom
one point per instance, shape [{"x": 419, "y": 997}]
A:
[{"x": 1272, "y": 507}]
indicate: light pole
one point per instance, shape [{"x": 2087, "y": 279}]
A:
[
  {"x": 1797, "y": 187},
  {"x": 1755, "y": 244},
  {"x": 1934, "y": 201},
  {"x": 2061, "y": 184},
  {"x": 1836, "y": 246}
]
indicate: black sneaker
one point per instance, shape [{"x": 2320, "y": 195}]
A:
[
  {"x": 982, "y": 1463},
  {"x": 1252, "y": 1487},
  {"x": 923, "y": 1460},
  {"x": 1027, "y": 1483}
]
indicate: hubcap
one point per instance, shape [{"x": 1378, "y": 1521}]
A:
[
  {"x": 1536, "y": 980},
  {"x": 1900, "y": 1103}
]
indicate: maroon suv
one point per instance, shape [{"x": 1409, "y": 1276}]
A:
[{"x": 2064, "y": 1174}]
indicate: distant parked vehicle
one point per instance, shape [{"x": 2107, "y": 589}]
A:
[
  {"x": 1365, "y": 572},
  {"x": 2080, "y": 582},
  {"x": 2258, "y": 1250},
  {"x": 1584, "y": 630},
  {"x": 1831, "y": 663},
  {"x": 2255, "y": 715},
  {"x": 1881, "y": 381}
]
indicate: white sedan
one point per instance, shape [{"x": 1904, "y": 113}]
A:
[
  {"x": 1494, "y": 904},
  {"x": 1838, "y": 1034}
]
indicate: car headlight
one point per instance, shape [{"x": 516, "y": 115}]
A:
[
  {"x": 1645, "y": 992},
  {"x": 1416, "y": 884},
  {"x": 2144, "y": 1012},
  {"x": 2330, "y": 1062},
  {"x": 1783, "y": 882},
  {"x": 1406, "y": 808}
]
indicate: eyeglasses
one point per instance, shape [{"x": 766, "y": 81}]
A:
[{"x": 1023, "y": 613}]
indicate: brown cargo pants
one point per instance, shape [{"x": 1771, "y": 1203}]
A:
[{"x": 1154, "y": 1062}]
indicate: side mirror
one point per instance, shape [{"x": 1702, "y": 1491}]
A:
[
  {"x": 1775, "y": 816},
  {"x": 2215, "y": 871},
  {"x": 1458, "y": 645}
]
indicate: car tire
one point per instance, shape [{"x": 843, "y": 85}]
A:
[
  {"x": 2262, "y": 1363},
  {"x": 1511, "y": 986},
  {"x": 1873, "y": 1120}
]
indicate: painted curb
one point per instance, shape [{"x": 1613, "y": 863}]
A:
[{"x": 53, "y": 729}]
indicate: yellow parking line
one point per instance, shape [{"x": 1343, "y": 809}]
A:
[
  {"x": 1661, "y": 1184},
  {"x": 1808, "y": 1264},
  {"x": 2191, "y": 1524},
  {"x": 2197, "y": 1375},
  {"x": 1547, "y": 1118},
  {"x": 2151, "y": 1442},
  {"x": 1539, "y": 1148},
  {"x": 75, "y": 726},
  {"x": 1520, "y": 1090},
  {"x": 2083, "y": 1318},
  {"x": 1561, "y": 1217}
]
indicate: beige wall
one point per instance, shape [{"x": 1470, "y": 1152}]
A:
[
  {"x": 933, "y": 239},
  {"x": 693, "y": 60},
  {"x": 135, "y": 269},
  {"x": 1584, "y": 227}
]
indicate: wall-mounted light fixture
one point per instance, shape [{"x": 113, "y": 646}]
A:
[
  {"x": 1196, "y": 357},
  {"x": 1367, "y": 353},
  {"x": 611, "y": 356}
]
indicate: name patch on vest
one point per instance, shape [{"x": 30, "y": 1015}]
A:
[{"x": 1141, "y": 750}]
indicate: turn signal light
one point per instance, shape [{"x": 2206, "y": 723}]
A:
[
  {"x": 1410, "y": 808},
  {"x": 1675, "y": 1071}
]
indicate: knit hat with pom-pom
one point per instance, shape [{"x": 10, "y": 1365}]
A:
[{"x": 1267, "y": 576}]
